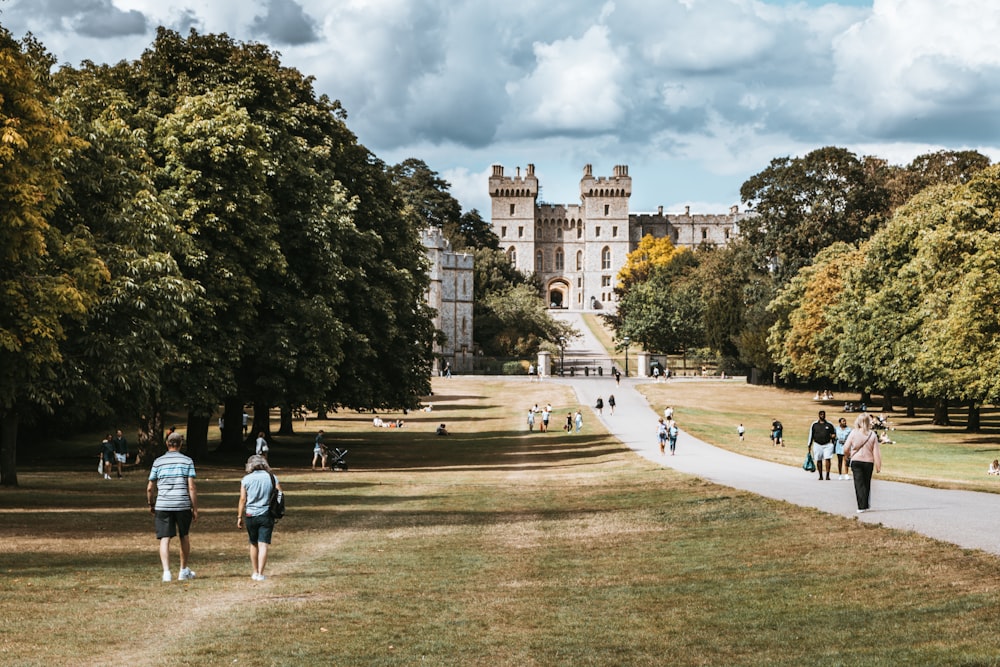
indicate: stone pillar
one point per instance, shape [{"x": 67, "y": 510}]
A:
[
  {"x": 544, "y": 363},
  {"x": 642, "y": 359}
]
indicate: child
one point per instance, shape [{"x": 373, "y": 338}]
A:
[{"x": 740, "y": 430}]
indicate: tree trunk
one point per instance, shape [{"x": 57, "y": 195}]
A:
[
  {"x": 197, "y": 434},
  {"x": 150, "y": 436},
  {"x": 8, "y": 448},
  {"x": 886, "y": 401},
  {"x": 911, "y": 406},
  {"x": 286, "y": 427},
  {"x": 866, "y": 399},
  {"x": 941, "y": 412},
  {"x": 232, "y": 434},
  {"x": 974, "y": 424},
  {"x": 321, "y": 413},
  {"x": 261, "y": 421}
]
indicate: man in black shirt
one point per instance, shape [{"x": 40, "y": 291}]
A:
[{"x": 822, "y": 436}]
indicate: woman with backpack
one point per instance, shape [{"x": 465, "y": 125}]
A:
[{"x": 254, "y": 511}]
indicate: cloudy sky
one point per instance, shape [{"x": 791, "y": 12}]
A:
[{"x": 694, "y": 95}]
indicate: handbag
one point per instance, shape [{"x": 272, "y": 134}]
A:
[
  {"x": 100, "y": 465},
  {"x": 809, "y": 465},
  {"x": 276, "y": 502}
]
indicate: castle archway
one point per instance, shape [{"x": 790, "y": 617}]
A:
[{"x": 558, "y": 293}]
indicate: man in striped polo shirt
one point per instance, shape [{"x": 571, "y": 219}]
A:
[{"x": 176, "y": 504}]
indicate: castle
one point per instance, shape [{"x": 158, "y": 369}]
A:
[
  {"x": 578, "y": 249},
  {"x": 450, "y": 295}
]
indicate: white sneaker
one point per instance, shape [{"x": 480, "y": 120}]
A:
[
  {"x": 186, "y": 573},
  {"x": 166, "y": 575},
  {"x": 257, "y": 577}
]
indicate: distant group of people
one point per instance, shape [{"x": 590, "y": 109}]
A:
[
  {"x": 824, "y": 395},
  {"x": 667, "y": 431}
]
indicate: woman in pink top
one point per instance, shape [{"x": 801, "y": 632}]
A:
[{"x": 862, "y": 450}]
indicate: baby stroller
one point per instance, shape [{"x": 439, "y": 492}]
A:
[{"x": 338, "y": 459}]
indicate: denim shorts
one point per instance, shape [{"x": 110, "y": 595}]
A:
[{"x": 259, "y": 528}]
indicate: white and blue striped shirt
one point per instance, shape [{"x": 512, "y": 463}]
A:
[{"x": 171, "y": 472}]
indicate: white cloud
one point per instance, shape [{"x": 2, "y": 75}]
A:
[
  {"x": 575, "y": 87},
  {"x": 696, "y": 96}
]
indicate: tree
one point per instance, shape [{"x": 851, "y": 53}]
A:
[
  {"x": 650, "y": 254},
  {"x": 938, "y": 168},
  {"x": 426, "y": 195},
  {"x": 803, "y": 205},
  {"x": 472, "y": 232},
  {"x": 663, "y": 311},
  {"x": 49, "y": 276},
  {"x": 804, "y": 340},
  {"x": 518, "y": 323}
]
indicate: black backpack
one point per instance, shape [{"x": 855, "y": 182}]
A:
[{"x": 276, "y": 503}]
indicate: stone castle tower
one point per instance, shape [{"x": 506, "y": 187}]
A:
[
  {"x": 578, "y": 249},
  {"x": 450, "y": 295}
]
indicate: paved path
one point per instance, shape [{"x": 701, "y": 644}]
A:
[{"x": 964, "y": 518}]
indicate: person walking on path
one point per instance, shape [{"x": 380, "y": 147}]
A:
[
  {"x": 569, "y": 422},
  {"x": 611, "y": 403},
  {"x": 579, "y": 421},
  {"x": 740, "y": 431},
  {"x": 599, "y": 406},
  {"x": 546, "y": 416},
  {"x": 531, "y": 419},
  {"x": 863, "y": 451},
  {"x": 668, "y": 413},
  {"x": 254, "y": 511},
  {"x": 261, "y": 449},
  {"x": 821, "y": 438},
  {"x": 661, "y": 435},
  {"x": 672, "y": 431},
  {"x": 173, "y": 502},
  {"x": 843, "y": 430}
]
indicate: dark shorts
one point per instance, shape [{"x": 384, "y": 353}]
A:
[
  {"x": 171, "y": 524},
  {"x": 259, "y": 528}
]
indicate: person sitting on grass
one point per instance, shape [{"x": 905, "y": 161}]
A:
[
  {"x": 994, "y": 468},
  {"x": 441, "y": 430}
]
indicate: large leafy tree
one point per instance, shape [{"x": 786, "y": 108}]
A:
[
  {"x": 115, "y": 357},
  {"x": 472, "y": 233},
  {"x": 663, "y": 312},
  {"x": 804, "y": 204},
  {"x": 650, "y": 254},
  {"x": 804, "y": 340},
  {"x": 49, "y": 275}
]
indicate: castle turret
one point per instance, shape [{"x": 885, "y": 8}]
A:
[{"x": 514, "y": 201}]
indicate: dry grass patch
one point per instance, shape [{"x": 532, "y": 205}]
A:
[{"x": 489, "y": 547}]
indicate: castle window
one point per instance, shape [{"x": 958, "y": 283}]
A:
[
  {"x": 503, "y": 231},
  {"x": 559, "y": 232},
  {"x": 464, "y": 327},
  {"x": 607, "y": 207},
  {"x": 559, "y": 259},
  {"x": 579, "y": 260},
  {"x": 597, "y": 231},
  {"x": 539, "y": 261},
  {"x": 579, "y": 282},
  {"x": 605, "y": 281},
  {"x": 579, "y": 231},
  {"x": 520, "y": 232},
  {"x": 704, "y": 233},
  {"x": 727, "y": 234},
  {"x": 614, "y": 231},
  {"x": 512, "y": 256},
  {"x": 512, "y": 209},
  {"x": 606, "y": 258}
]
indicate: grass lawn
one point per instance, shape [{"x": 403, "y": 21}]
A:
[{"x": 492, "y": 546}]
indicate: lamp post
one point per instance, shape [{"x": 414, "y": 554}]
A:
[
  {"x": 562, "y": 355},
  {"x": 626, "y": 340}
]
